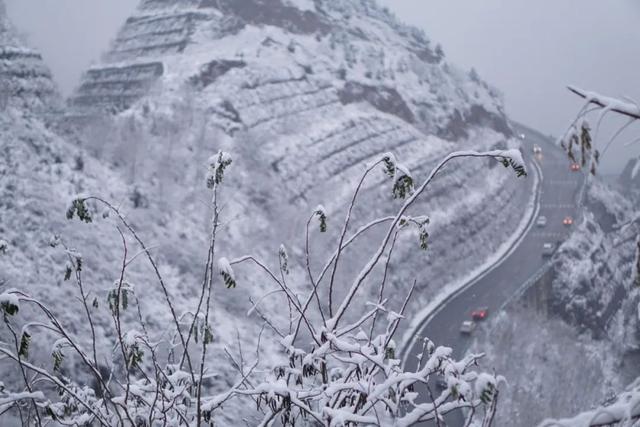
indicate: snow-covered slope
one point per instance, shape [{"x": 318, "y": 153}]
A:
[
  {"x": 594, "y": 286},
  {"x": 284, "y": 57},
  {"x": 587, "y": 328},
  {"x": 302, "y": 94},
  {"x": 40, "y": 174}
]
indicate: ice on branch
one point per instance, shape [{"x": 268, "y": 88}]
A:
[{"x": 627, "y": 108}]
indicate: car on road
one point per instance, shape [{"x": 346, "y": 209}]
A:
[
  {"x": 480, "y": 314},
  {"x": 542, "y": 221},
  {"x": 537, "y": 149},
  {"x": 522, "y": 136},
  {"x": 548, "y": 249},
  {"x": 575, "y": 167},
  {"x": 467, "y": 327},
  {"x": 567, "y": 221}
]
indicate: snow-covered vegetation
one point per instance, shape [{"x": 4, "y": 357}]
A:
[
  {"x": 333, "y": 372},
  {"x": 580, "y": 323},
  {"x": 137, "y": 310},
  {"x": 594, "y": 287}
]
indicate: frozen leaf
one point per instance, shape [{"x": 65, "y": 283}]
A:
[{"x": 224, "y": 267}]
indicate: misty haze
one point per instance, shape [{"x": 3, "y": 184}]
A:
[{"x": 319, "y": 213}]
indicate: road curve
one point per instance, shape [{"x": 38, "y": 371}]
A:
[{"x": 558, "y": 199}]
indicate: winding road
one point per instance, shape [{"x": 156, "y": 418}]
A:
[{"x": 558, "y": 196}]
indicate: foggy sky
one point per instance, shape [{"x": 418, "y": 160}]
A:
[{"x": 528, "y": 49}]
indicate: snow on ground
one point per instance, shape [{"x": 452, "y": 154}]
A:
[{"x": 534, "y": 353}]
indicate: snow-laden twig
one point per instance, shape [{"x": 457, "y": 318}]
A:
[
  {"x": 348, "y": 376},
  {"x": 608, "y": 103}
]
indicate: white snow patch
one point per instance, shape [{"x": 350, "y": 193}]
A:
[{"x": 305, "y": 5}]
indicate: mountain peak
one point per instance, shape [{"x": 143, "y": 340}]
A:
[
  {"x": 26, "y": 81},
  {"x": 356, "y": 51}
]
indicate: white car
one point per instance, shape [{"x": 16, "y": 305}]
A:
[
  {"x": 467, "y": 327},
  {"x": 542, "y": 221},
  {"x": 537, "y": 149},
  {"x": 548, "y": 249}
]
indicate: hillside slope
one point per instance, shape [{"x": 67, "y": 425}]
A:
[
  {"x": 302, "y": 94},
  {"x": 585, "y": 328}
]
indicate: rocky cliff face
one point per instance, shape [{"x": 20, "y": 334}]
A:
[
  {"x": 595, "y": 271},
  {"x": 325, "y": 52}
]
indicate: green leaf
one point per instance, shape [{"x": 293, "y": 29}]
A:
[
  {"x": 79, "y": 208},
  {"x": 389, "y": 353},
  {"x": 217, "y": 167},
  {"x": 229, "y": 281},
  {"x": 284, "y": 259},
  {"x": 25, "y": 340},
  {"x": 135, "y": 356},
  {"x": 4, "y": 247},
  {"x": 322, "y": 217},
  {"x": 58, "y": 357},
  {"x": 9, "y": 308},
  {"x": 487, "y": 394},
  {"x": 67, "y": 272},
  {"x": 424, "y": 238},
  {"x": 208, "y": 335},
  {"x": 403, "y": 187},
  {"x": 113, "y": 300},
  {"x": 389, "y": 165}
]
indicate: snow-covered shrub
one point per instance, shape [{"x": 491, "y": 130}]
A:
[
  {"x": 339, "y": 365},
  {"x": 149, "y": 380},
  {"x": 339, "y": 368}
]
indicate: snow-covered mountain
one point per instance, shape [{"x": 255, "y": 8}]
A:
[
  {"x": 302, "y": 94},
  {"x": 25, "y": 81}
]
